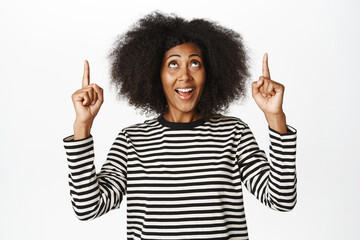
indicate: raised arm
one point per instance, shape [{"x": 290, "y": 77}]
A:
[
  {"x": 272, "y": 181},
  {"x": 93, "y": 194}
]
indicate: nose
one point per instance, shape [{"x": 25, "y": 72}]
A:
[{"x": 184, "y": 74}]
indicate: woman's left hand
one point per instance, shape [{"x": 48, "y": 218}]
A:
[{"x": 267, "y": 93}]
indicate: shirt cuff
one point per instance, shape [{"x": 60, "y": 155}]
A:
[
  {"x": 290, "y": 131},
  {"x": 71, "y": 139},
  {"x": 80, "y": 153}
]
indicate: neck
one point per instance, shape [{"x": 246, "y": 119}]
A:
[{"x": 181, "y": 117}]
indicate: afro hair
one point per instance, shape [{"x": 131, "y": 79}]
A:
[{"x": 137, "y": 56}]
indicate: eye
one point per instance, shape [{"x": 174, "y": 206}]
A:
[
  {"x": 195, "y": 63},
  {"x": 172, "y": 64}
]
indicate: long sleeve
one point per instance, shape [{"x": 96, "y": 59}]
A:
[
  {"x": 272, "y": 182},
  {"x": 95, "y": 194}
]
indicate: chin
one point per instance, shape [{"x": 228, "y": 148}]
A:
[{"x": 186, "y": 109}]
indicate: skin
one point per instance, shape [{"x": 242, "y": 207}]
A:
[
  {"x": 268, "y": 95},
  {"x": 182, "y": 67},
  {"x": 87, "y": 102}
]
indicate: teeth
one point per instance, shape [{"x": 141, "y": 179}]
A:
[{"x": 184, "y": 89}]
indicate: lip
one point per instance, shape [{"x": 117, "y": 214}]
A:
[{"x": 185, "y": 97}]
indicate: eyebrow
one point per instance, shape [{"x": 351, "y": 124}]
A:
[{"x": 176, "y": 55}]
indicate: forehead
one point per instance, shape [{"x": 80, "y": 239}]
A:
[{"x": 184, "y": 49}]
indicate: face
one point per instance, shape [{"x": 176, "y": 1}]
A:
[{"x": 183, "y": 77}]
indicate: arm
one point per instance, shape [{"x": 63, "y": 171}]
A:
[
  {"x": 272, "y": 182},
  {"x": 95, "y": 194}
]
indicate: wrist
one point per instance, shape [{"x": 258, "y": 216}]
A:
[
  {"x": 275, "y": 116},
  {"x": 82, "y": 124},
  {"x": 277, "y": 122},
  {"x": 81, "y": 130}
]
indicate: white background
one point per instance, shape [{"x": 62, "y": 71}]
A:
[{"x": 313, "y": 50}]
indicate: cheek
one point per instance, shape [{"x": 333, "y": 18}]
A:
[
  {"x": 166, "y": 84},
  {"x": 202, "y": 80}
]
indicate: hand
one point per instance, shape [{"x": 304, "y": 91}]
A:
[
  {"x": 267, "y": 93},
  {"x": 87, "y": 100}
]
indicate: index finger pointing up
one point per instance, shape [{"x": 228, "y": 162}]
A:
[
  {"x": 265, "y": 67},
  {"x": 86, "y": 76}
]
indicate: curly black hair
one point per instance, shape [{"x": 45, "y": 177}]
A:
[{"x": 138, "y": 54}]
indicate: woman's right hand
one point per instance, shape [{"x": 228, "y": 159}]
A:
[{"x": 87, "y": 100}]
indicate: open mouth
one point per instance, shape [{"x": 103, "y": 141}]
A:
[{"x": 184, "y": 93}]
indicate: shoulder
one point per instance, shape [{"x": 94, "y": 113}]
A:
[
  {"x": 227, "y": 120},
  {"x": 146, "y": 126}
]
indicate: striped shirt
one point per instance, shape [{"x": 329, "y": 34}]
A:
[{"x": 183, "y": 180}]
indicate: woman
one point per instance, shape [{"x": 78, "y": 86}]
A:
[{"x": 182, "y": 171}]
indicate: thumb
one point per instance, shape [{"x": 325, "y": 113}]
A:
[{"x": 256, "y": 86}]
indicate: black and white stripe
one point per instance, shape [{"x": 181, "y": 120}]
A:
[{"x": 183, "y": 181}]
